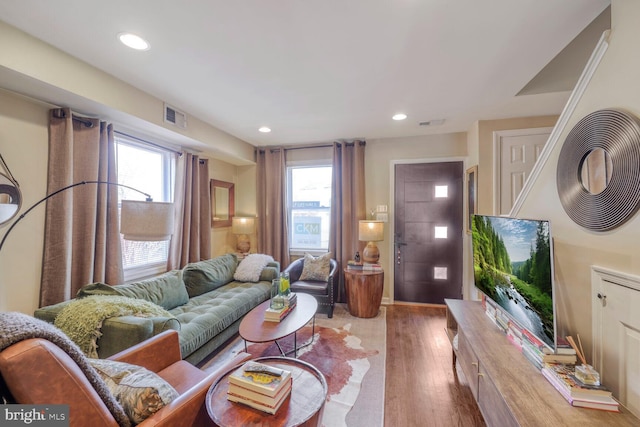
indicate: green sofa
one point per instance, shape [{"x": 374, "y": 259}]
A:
[{"x": 208, "y": 305}]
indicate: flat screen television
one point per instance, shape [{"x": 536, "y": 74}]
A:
[{"x": 513, "y": 267}]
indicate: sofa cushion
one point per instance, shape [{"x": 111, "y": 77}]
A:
[
  {"x": 140, "y": 392},
  {"x": 270, "y": 272},
  {"x": 167, "y": 290},
  {"x": 205, "y": 276},
  {"x": 316, "y": 268},
  {"x": 97, "y": 288},
  {"x": 209, "y": 314}
]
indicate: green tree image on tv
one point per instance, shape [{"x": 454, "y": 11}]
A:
[{"x": 512, "y": 264}]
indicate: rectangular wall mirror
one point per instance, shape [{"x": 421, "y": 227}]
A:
[{"x": 222, "y": 203}]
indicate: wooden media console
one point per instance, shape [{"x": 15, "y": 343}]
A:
[{"x": 509, "y": 390}]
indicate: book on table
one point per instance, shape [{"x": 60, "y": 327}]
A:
[
  {"x": 268, "y": 408},
  {"x": 291, "y": 299},
  {"x": 263, "y": 391},
  {"x": 257, "y": 400},
  {"x": 271, "y": 315},
  {"x": 276, "y": 315},
  {"x": 263, "y": 383},
  {"x": 562, "y": 377},
  {"x": 363, "y": 266},
  {"x": 560, "y": 358}
]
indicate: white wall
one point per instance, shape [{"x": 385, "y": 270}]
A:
[
  {"x": 24, "y": 145},
  {"x": 615, "y": 84}
]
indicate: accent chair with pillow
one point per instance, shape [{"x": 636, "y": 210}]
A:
[
  {"x": 317, "y": 276},
  {"x": 148, "y": 384}
]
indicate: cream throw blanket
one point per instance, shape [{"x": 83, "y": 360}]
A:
[{"x": 82, "y": 318}]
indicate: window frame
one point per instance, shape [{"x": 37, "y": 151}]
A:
[{"x": 167, "y": 194}]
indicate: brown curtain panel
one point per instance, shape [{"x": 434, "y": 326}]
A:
[
  {"x": 273, "y": 234},
  {"x": 82, "y": 237},
  {"x": 191, "y": 240},
  {"x": 348, "y": 204}
]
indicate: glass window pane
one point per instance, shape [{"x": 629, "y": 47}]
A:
[
  {"x": 440, "y": 273},
  {"x": 441, "y": 232},
  {"x": 309, "y": 207},
  {"x": 442, "y": 191}
]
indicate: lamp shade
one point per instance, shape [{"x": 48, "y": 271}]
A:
[
  {"x": 242, "y": 225},
  {"x": 370, "y": 231},
  {"x": 146, "y": 221},
  {"x": 7, "y": 211}
]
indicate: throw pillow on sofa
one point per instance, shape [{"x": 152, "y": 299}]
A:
[
  {"x": 316, "y": 268},
  {"x": 250, "y": 268},
  {"x": 140, "y": 392},
  {"x": 205, "y": 276}
]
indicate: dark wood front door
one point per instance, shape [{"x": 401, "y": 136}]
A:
[{"x": 428, "y": 232}]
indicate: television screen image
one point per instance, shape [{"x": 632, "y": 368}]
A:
[{"x": 513, "y": 266}]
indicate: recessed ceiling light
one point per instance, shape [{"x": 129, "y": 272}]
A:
[
  {"x": 133, "y": 41},
  {"x": 399, "y": 116},
  {"x": 265, "y": 129}
]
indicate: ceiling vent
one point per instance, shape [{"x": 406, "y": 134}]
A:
[
  {"x": 175, "y": 117},
  {"x": 432, "y": 122}
]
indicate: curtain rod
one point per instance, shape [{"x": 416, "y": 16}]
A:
[
  {"x": 361, "y": 142},
  {"x": 179, "y": 153},
  {"x": 59, "y": 113}
]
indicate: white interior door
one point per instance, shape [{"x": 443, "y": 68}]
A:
[
  {"x": 616, "y": 334},
  {"x": 515, "y": 154}
]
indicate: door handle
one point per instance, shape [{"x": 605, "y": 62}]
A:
[{"x": 602, "y": 298}]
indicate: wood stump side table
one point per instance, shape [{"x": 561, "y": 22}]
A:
[{"x": 364, "y": 292}]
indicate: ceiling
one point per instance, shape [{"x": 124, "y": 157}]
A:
[{"x": 321, "y": 70}]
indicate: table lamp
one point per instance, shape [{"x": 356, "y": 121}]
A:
[
  {"x": 242, "y": 227},
  {"x": 370, "y": 231}
]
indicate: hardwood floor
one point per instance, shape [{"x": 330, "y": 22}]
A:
[{"x": 421, "y": 388}]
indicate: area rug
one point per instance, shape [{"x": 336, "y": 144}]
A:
[{"x": 350, "y": 352}]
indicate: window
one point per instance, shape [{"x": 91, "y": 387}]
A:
[
  {"x": 151, "y": 170},
  {"x": 309, "y": 207}
]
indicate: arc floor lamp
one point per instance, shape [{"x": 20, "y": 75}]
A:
[{"x": 139, "y": 220}]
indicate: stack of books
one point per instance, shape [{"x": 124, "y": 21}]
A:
[
  {"x": 260, "y": 386},
  {"x": 577, "y": 393},
  {"x": 363, "y": 266},
  {"x": 533, "y": 349},
  {"x": 276, "y": 315},
  {"x": 562, "y": 355}
]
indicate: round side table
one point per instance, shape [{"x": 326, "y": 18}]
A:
[{"x": 364, "y": 292}]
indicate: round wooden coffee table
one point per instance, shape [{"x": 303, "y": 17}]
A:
[
  {"x": 302, "y": 408},
  {"x": 254, "y": 328}
]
